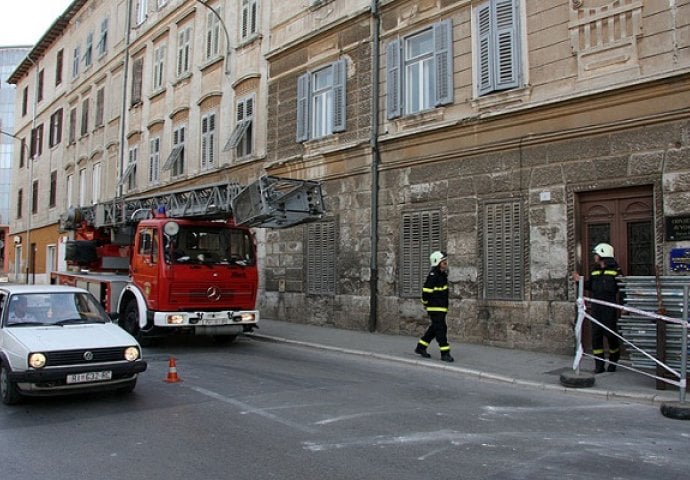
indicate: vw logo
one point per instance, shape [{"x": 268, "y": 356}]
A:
[
  {"x": 213, "y": 293},
  {"x": 88, "y": 356}
]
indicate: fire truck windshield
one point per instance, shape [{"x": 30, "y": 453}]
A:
[{"x": 209, "y": 245}]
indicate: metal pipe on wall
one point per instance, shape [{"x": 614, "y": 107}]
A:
[{"x": 375, "y": 159}]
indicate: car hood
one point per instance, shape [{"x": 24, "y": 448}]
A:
[{"x": 71, "y": 337}]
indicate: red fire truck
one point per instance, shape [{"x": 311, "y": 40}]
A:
[{"x": 182, "y": 261}]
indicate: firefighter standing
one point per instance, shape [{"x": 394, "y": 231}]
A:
[
  {"x": 603, "y": 285},
  {"x": 435, "y": 300}
]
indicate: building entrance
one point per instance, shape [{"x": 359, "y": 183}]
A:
[{"x": 623, "y": 218}]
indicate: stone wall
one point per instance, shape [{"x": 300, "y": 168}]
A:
[{"x": 657, "y": 155}]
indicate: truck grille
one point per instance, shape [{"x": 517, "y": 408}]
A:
[
  {"x": 195, "y": 294},
  {"x": 77, "y": 357}
]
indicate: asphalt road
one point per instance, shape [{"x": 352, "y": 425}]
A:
[{"x": 258, "y": 410}]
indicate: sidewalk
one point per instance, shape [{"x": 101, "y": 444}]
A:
[{"x": 517, "y": 367}]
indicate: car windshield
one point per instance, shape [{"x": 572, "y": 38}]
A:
[
  {"x": 209, "y": 245},
  {"x": 54, "y": 308}
]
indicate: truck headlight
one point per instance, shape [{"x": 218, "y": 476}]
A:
[
  {"x": 244, "y": 317},
  {"x": 131, "y": 354},
  {"x": 175, "y": 319},
  {"x": 37, "y": 360}
]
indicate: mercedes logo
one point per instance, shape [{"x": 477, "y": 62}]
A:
[
  {"x": 213, "y": 293},
  {"x": 88, "y": 356}
]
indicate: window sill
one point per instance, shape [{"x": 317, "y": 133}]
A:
[
  {"x": 243, "y": 160},
  {"x": 182, "y": 79},
  {"x": 503, "y": 99},
  {"x": 210, "y": 62},
  {"x": 156, "y": 93},
  {"x": 420, "y": 119},
  {"x": 246, "y": 42}
]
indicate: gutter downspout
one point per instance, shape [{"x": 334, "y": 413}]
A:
[
  {"x": 375, "y": 159},
  {"x": 123, "y": 115},
  {"x": 30, "y": 254}
]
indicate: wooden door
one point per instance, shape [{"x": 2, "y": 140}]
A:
[{"x": 623, "y": 218}]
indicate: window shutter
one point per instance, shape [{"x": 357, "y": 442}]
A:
[
  {"x": 443, "y": 56},
  {"x": 339, "y": 102},
  {"x": 180, "y": 53},
  {"x": 503, "y": 252},
  {"x": 421, "y": 235},
  {"x": 506, "y": 63},
  {"x": 303, "y": 107},
  {"x": 321, "y": 255},
  {"x": 209, "y": 34},
  {"x": 393, "y": 79},
  {"x": 484, "y": 57}
]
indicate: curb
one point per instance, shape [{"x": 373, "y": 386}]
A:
[{"x": 653, "y": 399}]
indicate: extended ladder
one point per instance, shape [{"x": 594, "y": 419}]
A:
[{"x": 270, "y": 202}]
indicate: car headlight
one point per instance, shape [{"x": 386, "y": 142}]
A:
[
  {"x": 131, "y": 354},
  {"x": 37, "y": 360}
]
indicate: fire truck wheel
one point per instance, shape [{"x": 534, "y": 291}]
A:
[
  {"x": 224, "y": 339},
  {"x": 130, "y": 322}
]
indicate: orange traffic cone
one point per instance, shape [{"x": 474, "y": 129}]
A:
[{"x": 172, "y": 372}]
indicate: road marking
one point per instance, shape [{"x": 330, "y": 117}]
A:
[
  {"x": 343, "y": 417},
  {"x": 246, "y": 408},
  {"x": 456, "y": 438}
]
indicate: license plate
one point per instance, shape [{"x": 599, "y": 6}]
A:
[
  {"x": 89, "y": 377},
  {"x": 215, "y": 321}
]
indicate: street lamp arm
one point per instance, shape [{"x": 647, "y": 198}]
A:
[{"x": 225, "y": 30}]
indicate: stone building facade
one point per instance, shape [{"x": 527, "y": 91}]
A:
[
  {"x": 568, "y": 124},
  {"x": 512, "y": 134}
]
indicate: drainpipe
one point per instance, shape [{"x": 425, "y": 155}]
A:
[
  {"x": 375, "y": 159},
  {"x": 123, "y": 116},
  {"x": 30, "y": 254}
]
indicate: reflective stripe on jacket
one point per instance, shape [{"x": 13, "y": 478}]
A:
[{"x": 435, "y": 291}]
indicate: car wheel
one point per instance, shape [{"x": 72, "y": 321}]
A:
[{"x": 8, "y": 389}]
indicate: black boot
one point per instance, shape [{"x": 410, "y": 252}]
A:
[
  {"x": 613, "y": 357},
  {"x": 421, "y": 350},
  {"x": 445, "y": 357},
  {"x": 599, "y": 366}
]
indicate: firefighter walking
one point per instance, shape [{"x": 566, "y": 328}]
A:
[{"x": 435, "y": 300}]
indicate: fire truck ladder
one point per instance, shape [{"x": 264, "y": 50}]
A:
[{"x": 270, "y": 202}]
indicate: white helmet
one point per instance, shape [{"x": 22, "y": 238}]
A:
[
  {"x": 437, "y": 257},
  {"x": 604, "y": 250}
]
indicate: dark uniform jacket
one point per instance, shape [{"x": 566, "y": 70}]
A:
[
  {"x": 435, "y": 291},
  {"x": 602, "y": 282}
]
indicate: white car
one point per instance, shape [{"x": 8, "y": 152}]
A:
[{"x": 57, "y": 339}]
